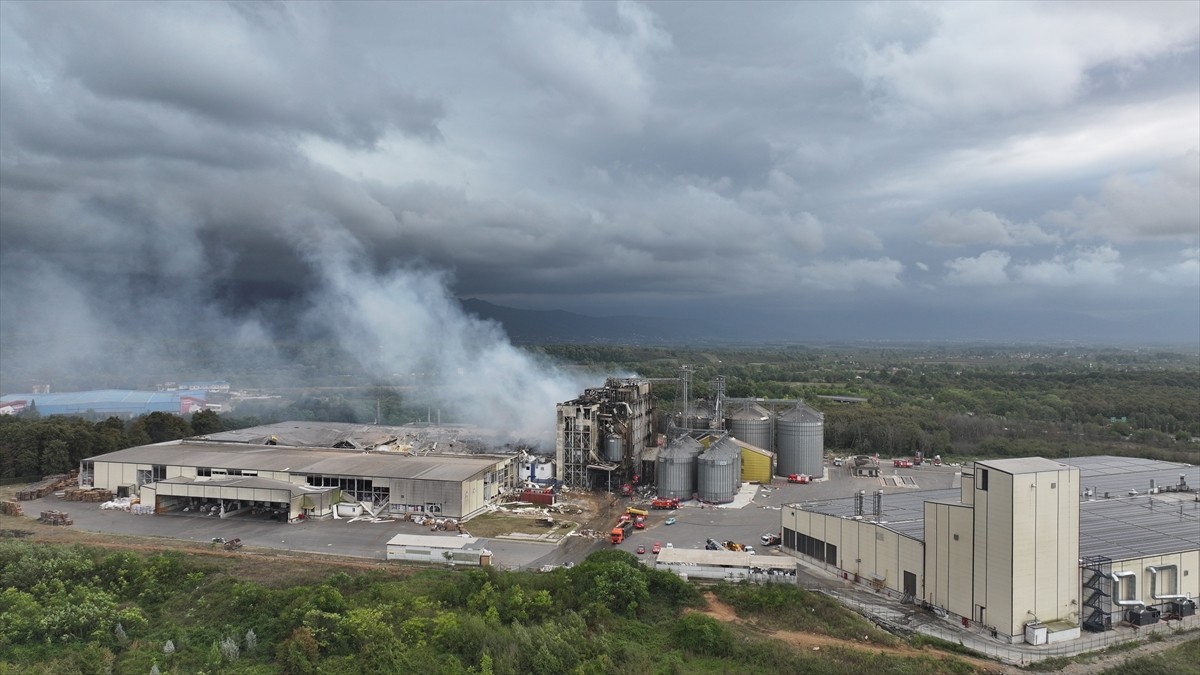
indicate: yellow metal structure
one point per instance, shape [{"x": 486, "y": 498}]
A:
[{"x": 756, "y": 463}]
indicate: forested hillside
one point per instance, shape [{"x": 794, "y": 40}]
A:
[{"x": 83, "y": 610}]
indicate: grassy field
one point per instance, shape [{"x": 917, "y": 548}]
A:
[{"x": 1183, "y": 658}]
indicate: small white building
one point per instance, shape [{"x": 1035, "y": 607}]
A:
[
  {"x": 725, "y": 565},
  {"x": 446, "y": 550}
]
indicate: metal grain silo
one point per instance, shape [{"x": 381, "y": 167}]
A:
[
  {"x": 800, "y": 441},
  {"x": 751, "y": 423},
  {"x": 719, "y": 472},
  {"x": 614, "y": 448},
  {"x": 676, "y": 468}
]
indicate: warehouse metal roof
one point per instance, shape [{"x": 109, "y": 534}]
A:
[
  {"x": 432, "y": 541},
  {"x": 317, "y": 461},
  {"x": 441, "y": 438},
  {"x": 1021, "y": 465},
  {"x": 691, "y": 556},
  {"x": 1135, "y": 527},
  {"x": 248, "y": 482},
  {"x": 1120, "y": 527},
  {"x": 903, "y": 512}
]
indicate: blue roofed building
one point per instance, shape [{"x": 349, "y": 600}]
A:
[{"x": 103, "y": 403}]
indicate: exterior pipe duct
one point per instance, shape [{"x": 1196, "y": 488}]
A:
[
  {"x": 1132, "y": 576},
  {"x": 1154, "y": 570}
]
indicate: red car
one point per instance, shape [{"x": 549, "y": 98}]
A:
[
  {"x": 641, "y": 549},
  {"x": 657, "y": 547}
]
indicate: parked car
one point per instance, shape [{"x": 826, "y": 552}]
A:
[
  {"x": 657, "y": 547},
  {"x": 641, "y": 549},
  {"x": 670, "y": 545},
  {"x": 669, "y": 521}
]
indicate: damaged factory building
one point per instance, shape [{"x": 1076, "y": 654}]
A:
[{"x": 605, "y": 438}]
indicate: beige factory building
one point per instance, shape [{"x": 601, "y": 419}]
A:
[
  {"x": 1030, "y": 548},
  {"x": 302, "y": 469}
]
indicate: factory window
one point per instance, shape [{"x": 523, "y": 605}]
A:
[
  {"x": 983, "y": 479},
  {"x": 956, "y": 537},
  {"x": 158, "y": 472},
  {"x": 204, "y": 471},
  {"x": 1053, "y": 486}
]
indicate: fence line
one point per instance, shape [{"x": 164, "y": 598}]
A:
[{"x": 977, "y": 638}]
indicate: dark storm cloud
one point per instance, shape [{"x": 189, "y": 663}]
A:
[
  {"x": 283, "y": 70},
  {"x": 600, "y": 156}
]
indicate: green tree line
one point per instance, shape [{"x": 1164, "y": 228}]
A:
[{"x": 31, "y": 445}]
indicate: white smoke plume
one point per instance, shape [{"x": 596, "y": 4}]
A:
[{"x": 405, "y": 324}]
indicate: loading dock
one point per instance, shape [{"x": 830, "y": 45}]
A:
[{"x": 245, "y": 496}]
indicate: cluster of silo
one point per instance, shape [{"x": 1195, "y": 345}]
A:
[
  {"x": 799, "y": 441},
  {"x": 676, "y": 469},
  {"x": 719, "y": 472},
  {"x": 753, "y": 424}
]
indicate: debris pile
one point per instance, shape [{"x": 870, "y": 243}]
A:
[
  {"x": 56, "y": 518},
  {"x": 11, "y": 508},
  {"x": 119, "y": 504}
]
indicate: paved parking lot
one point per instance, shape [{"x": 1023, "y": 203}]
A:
[{"x": 694, "y": 525}]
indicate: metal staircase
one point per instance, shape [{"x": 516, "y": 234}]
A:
[{"x": 1097, "y": 594}]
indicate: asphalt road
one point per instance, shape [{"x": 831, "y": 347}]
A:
[{"x": 693, "y": 526}]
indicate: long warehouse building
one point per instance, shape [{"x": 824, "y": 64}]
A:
[
  {"x": 1029, "y": 548},
  {"x": 273, "y": 470}
]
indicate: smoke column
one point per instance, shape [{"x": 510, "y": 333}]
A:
[{"x": 405, "y": 321}]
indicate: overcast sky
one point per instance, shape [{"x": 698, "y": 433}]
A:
[{"x": 948, "y": 161}]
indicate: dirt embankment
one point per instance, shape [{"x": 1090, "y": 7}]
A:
[{"x": 815, "y": 641}]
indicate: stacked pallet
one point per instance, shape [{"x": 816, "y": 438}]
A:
[
  {"x": 56, "y": 518},
  {"x": 11, "y": 508},
  {"x": 47, "y": 485},
  {"x": 87, "y": 495}
]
